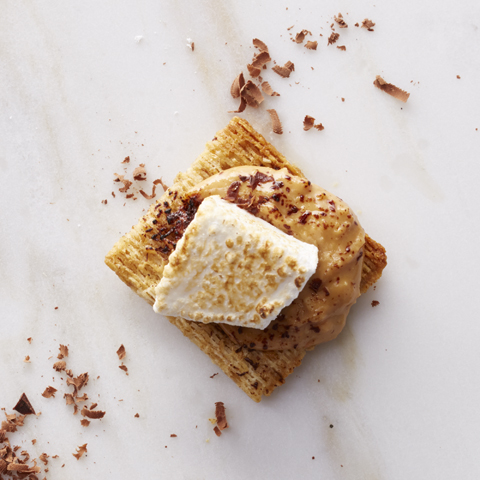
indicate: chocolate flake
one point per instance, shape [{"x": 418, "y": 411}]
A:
[
  {"x": 284, "y": 71},
  {"x": 375, "y": 303},
  {"x": 261, "y": 59},
  {"x": 59, "y": 366},
  {"x": 392, "y": 90},
  {"x": 80, "y": 451},
  {"x": 84, "y": 422},
  {"x": 49, "y": 392},
  {"x": 124, "y": 368},
  {"x": 27, "y": 359},
  {"x": 43, "y": 457},
  {"x": 237, "y": 86},
  {"x": 69, "y": 398},
  {"x": 140, "y": 174},
  {"x": 252, "y": 95},
  {"x": 368, "y": 24},
  {"x": 311, "y": 45},
  {"x": 254, "y": 71},
  {"x": 333, "y": 38},
  {"x": 215, "y": 374},
  {"x": 137, "y": 415},
  {"x": 341, "y": 22},
  {"x": 276, "y": 124},
  {"x": 315, "y": 284},
  {"x": 319, "y": 127},
  {"x": 126, "y": 160},
  {"x": 220, "y": 415},
  {"x": 308, "y": 122},
  {"x": 149, "y": 197},
  {"x": 94, "y": 414},
  {"x": 121, "y": 352},
  {"x": 29, "y": 340},
  {"x": 342, "y": 47},
  {"x": 260, "y": 45},
  {"x": 126, "y": 183},
  {"x": 173, "y": 435},
  {"x": 217, "y": 431},
  {"x": 267, "y": 89},
  {"x": 24, "y": 406},
  {"x": 161, "y": 182},
  {"x": 300, "y": 36}
]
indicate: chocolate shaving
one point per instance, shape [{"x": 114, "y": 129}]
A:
[
  {"x": 27, "y": 359},
  {"x": 260, "y": 45},
  {"x": 300, "y": 36},
  {"x": 149, "y": 197},
  {"x": 63, "y": 352},
  {"x": 124, "y": 368},
  {"x": 126, "y": 183},
  {"x": 24, "y": 406},
  {"x": 92, "y": 413},
  {"x": 375, "y": 303},
  {"x": 341, "y": 22},
  {"x": 220, "y": 415},
  {"x": 252, "y": 95},
  {"x": 392, "y": 90},
  {"x": 59, "y": 366},
  {"x": 311, "y": 45},
  {"x": 333, "y": 38},
  {"x": 267, "y": 89},
  {"x": 80, "y": 451},
  {"x": 276, "y": 123},
  {"x": 29, "y": 339},
  {"x": 319, "y": 127},
  {"x": 308, "y": 122},
  {"x": 241, "y": 107},
  {"x": 254, "y": 71},
  {"x": 140, "y": 174},
  {"x": 43, "y": 457},
  {"x": 342, "y": 47},
  {"x": 84, "y": 422},
  {"x": 173, "y": 435},
  {"x": 284, "y": 71},
  {"x": 162, "y": 183},
  {"x": 69, "y": 398},
  {"x": 127, "y": 160},
  {"x": 83, "y": 398},
  {"x": 237, "y": 86},
  {"x": 261, "y": 59},
  {"x": 217, "y": 431},
  {"x": 368, "y": 24},
  {"x": 49, "y": 392},
  {"x": 121, "y": 352}
]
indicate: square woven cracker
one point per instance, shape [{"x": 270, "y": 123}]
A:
[{"x": 132, "y": 258}]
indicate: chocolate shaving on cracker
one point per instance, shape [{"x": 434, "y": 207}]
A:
[
  {"x": 300, "y": 36},
  {"x": 392, "y": 90},
  {"x": 121, "y": 352},
  {"x": 341, "y": 22},
  {"x": 261, "y": 59},
  {"x": 311, "y": 45},
  {"x": 94, "y": 414},
  {"x": 253, "y": 71},
  {"x": 284, "y": 71},
  {"x": 24, "y": 406},
  {"x": 267, "y": 89},
  {"x": 60, "y": 365},
  {"x": 260, "y": 45},
  {"x": 276, "y": 123},
  {"x": 220, "y": 415},
  {"x": 80, "y": 451},
  {"x": 237, "y": 86},
  {"x": 140, "y": 174},
  {"x": 49, "y": 392},
  {"x": 308, "y": 122},
  {"x": 252, "y": 95},
  {"x": 333, "y": 38},
  {"x": 368, "y": 24}
]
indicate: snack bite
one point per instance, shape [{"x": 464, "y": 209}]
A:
[{"x": 260, "y": 365}]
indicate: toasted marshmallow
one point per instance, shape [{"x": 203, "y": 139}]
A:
[{"x": 232, "y": 267}]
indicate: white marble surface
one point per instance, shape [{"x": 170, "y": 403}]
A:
[{"x": 78, "y": 93}]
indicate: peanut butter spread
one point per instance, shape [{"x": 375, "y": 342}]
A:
[
  {"x": 315, "y": 216},
  {"x": 298, "y": 208}
]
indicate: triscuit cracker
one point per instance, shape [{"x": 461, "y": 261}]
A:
[{"x": 132, "y": 258}]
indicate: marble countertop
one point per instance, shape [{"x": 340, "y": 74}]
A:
[{"x": 85, "y": 84}]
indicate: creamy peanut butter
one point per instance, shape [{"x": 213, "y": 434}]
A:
[{"x": 313, "y": 215}]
